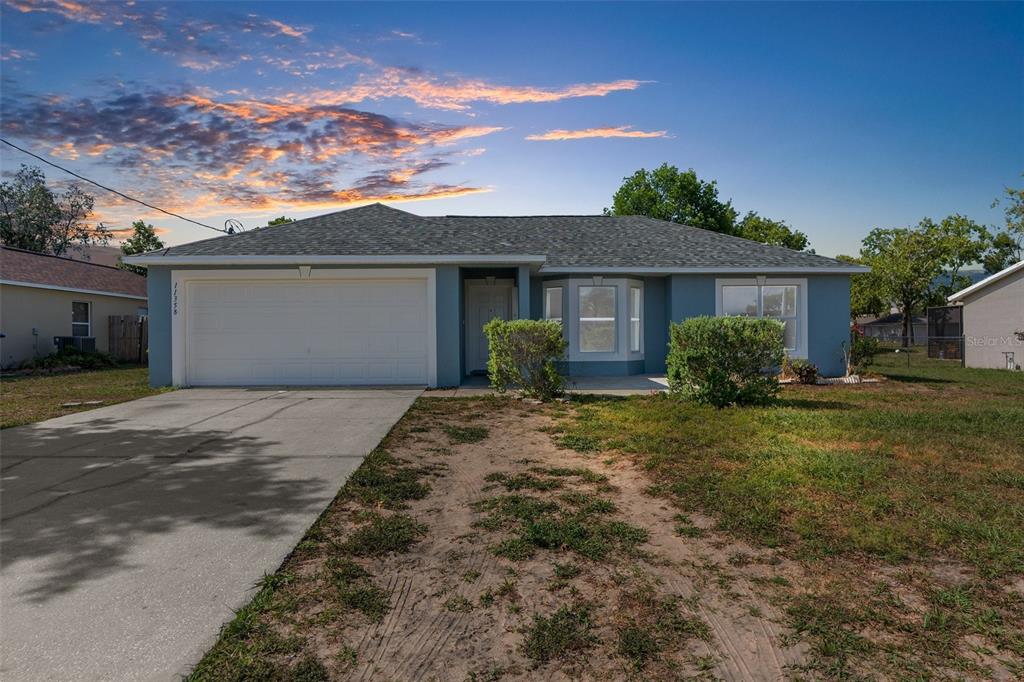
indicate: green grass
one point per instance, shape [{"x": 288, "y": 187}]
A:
[
  {"x": 466, "y": 434},
  {"x": 566, "y": 632},
  {"x": 928, "y": 462},
  {"x": 383, "y": 534},
  {"x": 355, "y": 589},
  {"x": 381, "y": 480},
  {"x": 541, "y": 524},
  {"x": 30, "y": 399}
]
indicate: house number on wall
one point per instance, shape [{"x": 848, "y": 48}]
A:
[{"x": 174, "y": 306}]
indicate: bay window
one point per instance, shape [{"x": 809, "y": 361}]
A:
[
  {"x": 780, "y": 299},
  {"x": 602, "y": 318}
]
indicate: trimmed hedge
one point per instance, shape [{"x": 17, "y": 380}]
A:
[
  {"x": 725, "y": 360},
  {"x": 523, "y": 355}
]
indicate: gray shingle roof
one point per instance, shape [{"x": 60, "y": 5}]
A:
[{"x": 566, "y": 241}]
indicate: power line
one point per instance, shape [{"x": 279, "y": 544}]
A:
[{"x": 114, "y": 191}]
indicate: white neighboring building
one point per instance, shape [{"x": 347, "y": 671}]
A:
[{"x": 993, "y": 319}]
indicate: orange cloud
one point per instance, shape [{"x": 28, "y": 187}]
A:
[
  {"x": 618, "y": 131},
  {"x": 429, "y": 92}
]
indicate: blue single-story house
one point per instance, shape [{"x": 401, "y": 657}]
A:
[{"x": 375, "y": 295}]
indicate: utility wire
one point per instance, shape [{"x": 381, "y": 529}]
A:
[{"x": 114, "y": 191}]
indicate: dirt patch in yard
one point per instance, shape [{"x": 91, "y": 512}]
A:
[
  {"x": 485, "y": 540},
  {"x": 519, "y": 560},
  {"x": 460, "y": 609}
]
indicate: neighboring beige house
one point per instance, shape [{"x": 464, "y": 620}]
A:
[
  {"x": 44, "y": 296},
  {"x": 993, "y": 320}
]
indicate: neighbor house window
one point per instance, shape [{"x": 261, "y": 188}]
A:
[
  {"x": 635, "y": 303},
  {"x": 80, "y": 319},
  {"x": 597, "y": 319},
  {"x": 553, "y": 304},
  {"x": 777, "y": 300}
]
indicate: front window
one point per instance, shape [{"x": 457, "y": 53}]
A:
[
  {"x": 635, "y": 302},
  {"x": 777, "y": 301},
  {"x": 80, "y": 320},
  {"x": 553, "y": 304},
  {"x": 597, "y": 319}
]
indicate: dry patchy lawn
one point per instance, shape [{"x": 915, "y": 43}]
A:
[
  {"x": 850, "y": 532},
  {"x": 33, "y": 398}
]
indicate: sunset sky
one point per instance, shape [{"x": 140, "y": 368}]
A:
[{"x": 835, "y": 118}]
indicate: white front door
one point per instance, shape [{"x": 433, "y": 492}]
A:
[
  {"x": 484, "y": 302},
  {"x": 341, "y": 332}
]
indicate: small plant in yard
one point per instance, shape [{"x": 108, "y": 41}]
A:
[
  {"x": 383, "y": 534},
  {"x": 355, "y": 589},
  {"x": 465, "y": 434},
  {"x": 806, "y": 372},
  {"x": 381, "y": 481},
  {"x": 862, "y": 351},
  {"x": 725, "y": 360},
  {"x": 522, "y": 355},
  {"x": 458, "y": 604},
  {"x": 566, "y": 632}
]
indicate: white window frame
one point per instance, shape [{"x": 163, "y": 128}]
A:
[
  {"x": 88, "y": 324},
  {"x": 614, "y": 319},
  {"x": 570, "y": 317},
  {"x": 639, "y": 319},
  {"x": 802, "y": 322},
  {"x": 547, "y": 303}
]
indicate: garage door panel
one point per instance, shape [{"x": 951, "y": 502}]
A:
[{"x": 312, "y": 333}]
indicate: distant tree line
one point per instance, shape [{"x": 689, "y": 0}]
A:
[
  {"x": 911, "y": 267},
  {"x": 681, "y": 197}
]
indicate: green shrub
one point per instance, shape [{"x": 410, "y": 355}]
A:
[
  {"x": 806, "y": 371},
  {"x": 863, "y": 350},
  {"x": 725, "y": 360},
  {"x": 523, "y": 355},
  {"x": 71, "y": 358}
]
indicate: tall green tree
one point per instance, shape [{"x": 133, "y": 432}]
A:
[
  {"x": 963, "y": 242},
  {"x": 768, "y": 231},
  {"x": 678, "y": 196},
  {"x": 281, "y": 220},
  {"x": 905, "y": 263},
  {"x": 1007, "y": 246},
  {"x": 866, "y": 297},
  {"x": 142, "y": 240},
  {"x": 681, "y": 197},
  {"x": 33, "y": 217}
]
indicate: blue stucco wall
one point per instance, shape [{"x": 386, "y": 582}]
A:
[
  {"x": 671, "y": 298},
  {"x": 828, "y": 313},
  {"x": 690, "y": 296},
  {"x": 523, "y": 288},
  {"x": 158, "y": 285},
  {"x": 601, "y": 368},
  {"x": 655, "y": 324}
]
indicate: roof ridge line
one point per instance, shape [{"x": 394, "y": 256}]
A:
[{"x": 73, "y": 260}]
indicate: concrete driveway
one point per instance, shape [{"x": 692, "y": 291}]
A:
[{"x": 129, "y": 534}]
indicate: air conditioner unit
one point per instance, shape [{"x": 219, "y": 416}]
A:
[{"x": 82, "y": 343}]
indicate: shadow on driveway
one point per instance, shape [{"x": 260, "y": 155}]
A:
[{"x": 79, "y": 514}]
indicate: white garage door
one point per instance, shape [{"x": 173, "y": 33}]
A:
[{"x": 370, "y": 331}]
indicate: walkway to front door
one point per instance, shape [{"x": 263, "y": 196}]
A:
[{"x": 486, "y": 299}]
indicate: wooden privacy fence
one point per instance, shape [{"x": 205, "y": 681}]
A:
[{"x": 128, "y": 338}]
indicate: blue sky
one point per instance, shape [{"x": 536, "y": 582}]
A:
[{"x": 834, "y": 117}]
